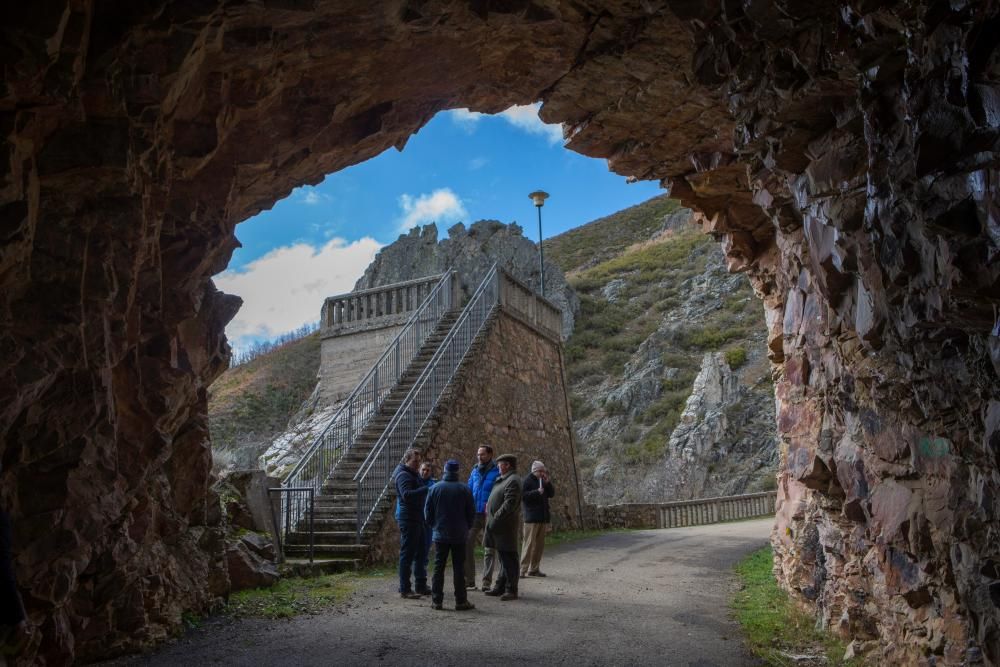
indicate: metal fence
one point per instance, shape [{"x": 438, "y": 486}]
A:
[
  {"x": 322, "y": 457},
  {"x": 298, "y": 500},
  {"x": 375, "y": 474}
]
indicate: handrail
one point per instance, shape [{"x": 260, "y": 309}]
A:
[
  {"x": 374, "y": 475},
  {"x": 337, "y": 438}
]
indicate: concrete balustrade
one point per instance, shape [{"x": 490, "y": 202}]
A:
[
  {"x": 680, "y": 513},
  {"x": 525, "y": 304},
  {"x": 371, "y": 307},
  {"x": 355, "y": 328}
]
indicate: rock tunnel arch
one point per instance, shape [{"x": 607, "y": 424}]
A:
[{"x": 845, "y": 155}]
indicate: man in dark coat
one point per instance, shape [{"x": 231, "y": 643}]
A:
[
  {"x": 535, "y": 496},
  {"x": 503, "y": 519},
  {"x": 412, "y": 492},
  {"x": 450, "y": 511}
]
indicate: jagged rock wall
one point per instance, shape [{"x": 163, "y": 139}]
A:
[
  {"x": 844, "y": 153},
  {"x": 470, "y": 252}
]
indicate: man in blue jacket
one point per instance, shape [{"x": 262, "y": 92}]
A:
[
  {"x": 480, "y": 484},
  {"x": 449, "y": 510},
  {"x": 412, "y": 493}
]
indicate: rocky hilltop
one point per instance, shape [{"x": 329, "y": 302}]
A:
[
  {"x": 471, "y": 252},
  {"x": 669, "y": 379}
]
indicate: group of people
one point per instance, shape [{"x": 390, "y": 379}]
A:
[{"x": 454, "y": 516}]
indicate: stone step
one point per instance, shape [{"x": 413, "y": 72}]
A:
[
  {"x": 338, "y": 537},
  {"x": 334, "y": 500},
  {"x": 301, "y": 567},
  {"x": 340, "y": 523},
  {"x": 323, "y": 549},
  {"x": 348, "y": 507}
]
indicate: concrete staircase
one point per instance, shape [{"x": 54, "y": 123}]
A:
[{"x": 335, "y": 545}]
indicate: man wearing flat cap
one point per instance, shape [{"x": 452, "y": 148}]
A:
[{"x": 503, "y": 519}]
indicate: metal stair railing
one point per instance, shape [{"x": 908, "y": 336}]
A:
[
  {"x": 322, "y": 457},
  {"x": 375, "y": 474}
]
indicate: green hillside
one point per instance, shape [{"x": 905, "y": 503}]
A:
[
  {"x": 251, "y": 403},
  {"x": 608, "y": 237},
  {"x": 654, "y": 299}
]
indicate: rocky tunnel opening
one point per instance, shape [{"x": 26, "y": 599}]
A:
[{"x": 845, "y": 155}]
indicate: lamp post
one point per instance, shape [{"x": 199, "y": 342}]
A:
[{"x": 539, "y": 198}]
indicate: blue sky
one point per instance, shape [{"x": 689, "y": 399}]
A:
[{"x": 460, "y": 167}]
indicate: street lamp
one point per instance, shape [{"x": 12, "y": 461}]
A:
[{"x": 539, "y": 198}]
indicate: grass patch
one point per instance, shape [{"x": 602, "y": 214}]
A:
[
  {"x": 775, "y": 628},
  {"x": 293, "y": 596}
]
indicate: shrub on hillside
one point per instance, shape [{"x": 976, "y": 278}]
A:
[{"x": 736, "y": 357}]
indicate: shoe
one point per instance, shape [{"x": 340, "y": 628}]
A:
[
  {"x": 409, "y": 595},
  {"x": 423, "y": 591},
  {"x": 524, "y": 574},
  {"x": 493, "y": 592},
  {"x": 471, "y": 587},
  {"x": 437, "y": 605},
  {"x": 464, "y": 606},
  {"x": 487, "y": 588},
  {"x": 536, "y": 573},
  {"x": 511, "y": 595}
]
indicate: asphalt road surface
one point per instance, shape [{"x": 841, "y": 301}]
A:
[{"x": 651, "y": 597}]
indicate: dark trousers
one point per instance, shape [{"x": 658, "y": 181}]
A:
[
  {"x": 441, "y": 551},
  {"x": 428, "y": 542},
  {"x": 411, "y": 555},
  {"x": 509, "y": 572}
]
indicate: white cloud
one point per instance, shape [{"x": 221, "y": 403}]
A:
[
  {"x": 285, "y": 288},
  {"x": 478, "y": 163},
  {"x": 465, "y": 119},
  {"x": 442, "y": 205},
  {"x": 310, "y": 196},
  {"x": 524, "y": 117}
]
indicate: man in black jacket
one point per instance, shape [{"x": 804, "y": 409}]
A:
[
  {"x": 450, "y": 511},
  {"x": 412, "y": 492},
  {"x": 535, "y": 496}
]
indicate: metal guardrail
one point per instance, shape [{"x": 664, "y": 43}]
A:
[
  {"x": 375, "y": 474},
  {"x": 322, "y": 457},
  {"x": 294, "y": 497}
]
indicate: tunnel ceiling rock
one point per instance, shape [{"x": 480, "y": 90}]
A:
[{"x": 844, "y": 154}]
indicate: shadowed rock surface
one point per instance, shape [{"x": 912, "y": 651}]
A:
[{"x": 845, "y": 154}]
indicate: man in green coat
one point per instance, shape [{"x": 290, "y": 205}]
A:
[{"x": 503, "y": 521}]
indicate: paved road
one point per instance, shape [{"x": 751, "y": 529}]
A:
[{"x": 653, "y": 597}]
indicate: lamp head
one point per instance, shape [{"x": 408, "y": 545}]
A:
[{"x": 539, "y": 197}]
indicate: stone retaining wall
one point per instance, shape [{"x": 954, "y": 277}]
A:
[{"x": 511, "y": 395}]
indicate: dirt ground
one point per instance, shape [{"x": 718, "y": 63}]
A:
[{"x": 652, "y": 597}]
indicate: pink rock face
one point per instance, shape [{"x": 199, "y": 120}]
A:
[{"x": 845, "y": 154}]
